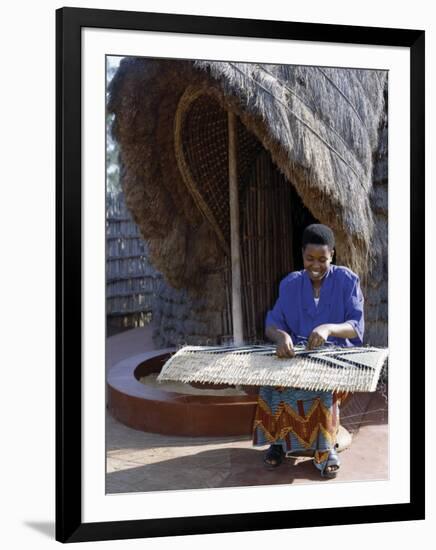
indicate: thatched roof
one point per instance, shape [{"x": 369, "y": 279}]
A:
[{"x": 320, "y": 126}]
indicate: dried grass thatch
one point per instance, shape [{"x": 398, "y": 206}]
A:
[
  {"x": 321, "y": 128},
  {"x": 319, "y": 124}
]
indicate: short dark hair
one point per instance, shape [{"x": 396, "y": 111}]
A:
[{"x": 317, "y": 233}]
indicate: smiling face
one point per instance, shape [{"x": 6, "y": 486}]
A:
[{"x": 317, "y": 259}]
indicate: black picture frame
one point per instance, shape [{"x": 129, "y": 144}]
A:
[{"x": 69, "y": 22}]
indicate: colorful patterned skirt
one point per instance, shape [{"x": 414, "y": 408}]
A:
[{"x": 299, "y": 420}]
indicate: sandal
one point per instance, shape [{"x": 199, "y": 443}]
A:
[
  {"x": 331, "y": 459},
  {"x": 274, "y": 457}
]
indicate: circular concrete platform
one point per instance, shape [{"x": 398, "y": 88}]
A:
[{"x": 155, "y": 410}]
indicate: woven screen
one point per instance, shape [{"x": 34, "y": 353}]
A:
[{"x": 205, "y": 150}]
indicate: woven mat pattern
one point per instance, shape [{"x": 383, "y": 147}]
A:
[{"x": 326, "y": 369}]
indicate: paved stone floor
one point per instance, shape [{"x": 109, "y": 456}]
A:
[
  {"x": 142, "y": 462},
  {"x": 138, "y": 461}
]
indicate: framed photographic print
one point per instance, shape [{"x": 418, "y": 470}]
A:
[{"x": 245, "y": 195}]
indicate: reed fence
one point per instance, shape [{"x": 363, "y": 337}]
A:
[{"x": 131, "y": 281}]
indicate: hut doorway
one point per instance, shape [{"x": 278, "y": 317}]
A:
[
  {"x": 272, "y": 221},
  {"x": 272, "y": 215}
]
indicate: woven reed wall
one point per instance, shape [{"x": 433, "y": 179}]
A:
[
  {"x": 266, "y": 242},
  {"x": 376, "y": 291},
  {"x": 131, "y": 281},
  {"x": 180, "y": 318}
]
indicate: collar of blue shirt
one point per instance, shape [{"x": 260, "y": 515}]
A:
[{"x": 325, "y": 293}]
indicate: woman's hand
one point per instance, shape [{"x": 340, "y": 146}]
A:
[
  {"x": 285, "y": 346},
  {"x": 318, "y": 336}
]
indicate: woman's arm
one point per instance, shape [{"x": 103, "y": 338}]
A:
[
  {"x": 320, "y": 334},
  {"x": 342, "y": 330},
  {"x": 285, "y": 346},
  {"x": 353, "y": 325}
]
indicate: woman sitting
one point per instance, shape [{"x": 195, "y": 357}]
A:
[{"x": 321, "y": 304}]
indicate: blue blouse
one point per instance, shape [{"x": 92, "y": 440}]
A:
[{"x": 340, "y": 301}]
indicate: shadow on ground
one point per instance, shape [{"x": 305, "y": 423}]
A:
[{"x": 208, "y": 469}]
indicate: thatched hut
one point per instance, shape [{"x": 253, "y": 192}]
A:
[{"x": 311, "y": 145}]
